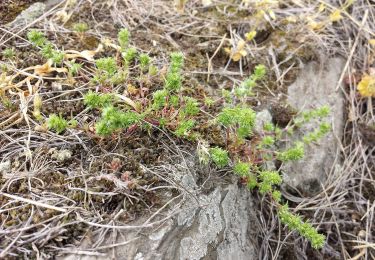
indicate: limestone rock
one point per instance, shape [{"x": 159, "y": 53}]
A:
[
  {"x": 262, "y": 118},
  {"x": 315, "y": 87},
  {"x": 29, "y": 15},
  {"x": 220, "y": 224}
]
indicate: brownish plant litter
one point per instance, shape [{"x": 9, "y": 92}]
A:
[{"x": 64, "y": 187}]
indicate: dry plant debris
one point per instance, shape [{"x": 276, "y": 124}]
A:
[{"x": 57, "y": 188}]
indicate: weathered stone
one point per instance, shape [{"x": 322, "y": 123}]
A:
[
  {"x": 315, "y": 87},
  {"x": 261, "y": 119},
  {"x": 217, "y": 225},
  {"x": 28, "y": 15}
]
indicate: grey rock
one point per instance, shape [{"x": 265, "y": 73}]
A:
[
  {"x": 315, "y": 87},
  {"x": 216, "y": 225},
  {"x": 28, "y": 15},
  {"x": 262, "y": 118}
]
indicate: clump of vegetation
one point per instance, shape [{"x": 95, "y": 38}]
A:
[
  {"x": 113, "y": 119},
  {"x": 173, "y": 80},
  {"x": 179, "y": 112},
  {"x": 80, "y": 27},
  {"x": 184, "y": 128},
  {"x": 48, "y": 51},
  {"x": 240, "y": 119},
  {"x": 57, "y": 123},
  {"x": 95, "y": 100},
  {"x": 9, "y": 53},
  {"x": 123, "y": 38},
  {"x": 219, "y": 156}
]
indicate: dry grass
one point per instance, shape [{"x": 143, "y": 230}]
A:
[{"x": 344, "y": 211}]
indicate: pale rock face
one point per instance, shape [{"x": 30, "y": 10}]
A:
[
  {"x": 220, "y": 224},
  {"x": 29, "y": 15},
  {"x": 315, "y": 87}
]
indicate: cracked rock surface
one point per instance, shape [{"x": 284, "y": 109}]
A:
[
  {"x": 315, "y": 87},
  {"x": 220, "y": 224}
]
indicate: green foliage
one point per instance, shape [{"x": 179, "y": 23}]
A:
[
  {"x": 129, "y": 55},
  {"x": 184, "y": 127},
  {"x": 268, "y": 141},
  {"x": 108, "y": 71},
  {"x": 95, "y": 100},
  {"x": 36, "y": 37},
  {"x": 144, "y": 61},
  {"x": 317, "y": 134},
  {"x": 48, "y": 51},
  {"x": 226, "y": 95},
  {"x": 268, "y": 179},
  {"x": 107, "y": 65},
  {"x": 177, "y": 62},
  {"x": 240, "y": 117},
  {"x": 113, "y": 119},
  {"x": 219, "y": 156},
  {"x": 292, "y": 154},
  {"x": 308, "y": 116},
  {"x": 174, "y": 100},
  {"x": 159, "y": 99},
  {"x": 191, "y": 106},
  {"x": 152, "y": 70},
  {"x": 305, "y": 229},
  {"x": 57, "y": 123},
  {"x": 80, "y": 27},
  {"x": 173, "y": 80},
  {"x": 259, "y": 72},
  {"x": 74, "y": 68},
  {"x": 251, "y": 182},
  {"x": 276, "y": 195},
  {"x": 208, "y": 102},
  {"x": 9, "y": 53},
  {"x": 241, "y": 169},
  {"x": 268, "y": 127},
  {"x": 123, "y": 37},
  {"x": 246, "y": 87}
]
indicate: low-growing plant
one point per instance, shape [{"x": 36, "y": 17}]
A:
[
  {"x": 48, "y": 51},
  {"x": 9, "y": 53},
  {"x": 123, "y": 38},
  {"x": 240, "y": 119},
  {"x": 173, "y": 80},
  {"x": 114, "y": 119},
  {"x": 219, "y": 156},
  {"x": 184, "y": 128},
  {"x": 80, "y": 27},
  {"x": 174, "y": 109},
  {"x": 57, "y": 123},
  {"x": 191, "y": 106},
  {"x": 144, "y": 61},
  {"x": 96, "y": 100},
  {"x": 129, "y": 55}
]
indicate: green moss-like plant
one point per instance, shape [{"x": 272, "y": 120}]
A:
[
  {"x": 242, "y": 169},
  {"x": 123, "y": 37},
  {"x": 57, "y": 123},
  {"x": 219, "y": 156},
  {"x": 80, "y": 27},
  {"x": 173, "y": 80},
  {"x": 96, "y": 100},
  {"x": 184, "y": 127},
  {"x": 242, "y": 119},
  {"x": 113, "y": 119},
  {"x": 297, "y": 152}
]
